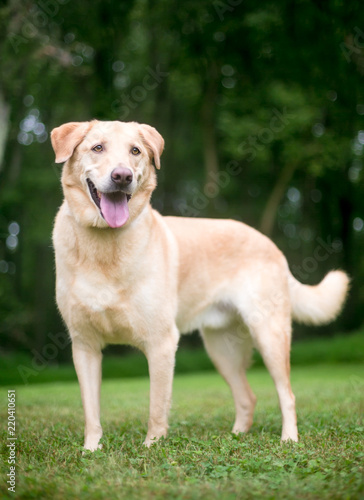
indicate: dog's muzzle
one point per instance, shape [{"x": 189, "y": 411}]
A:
[{"x": 113, "y": 206}]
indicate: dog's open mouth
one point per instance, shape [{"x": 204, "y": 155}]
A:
[{"x": 113, "y": 206}]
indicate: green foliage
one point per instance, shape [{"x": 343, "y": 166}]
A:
[
  {"x": 211, "y": 77},
  {"x": 21, "y": 369},
  {"x": 200, "y": 458}
]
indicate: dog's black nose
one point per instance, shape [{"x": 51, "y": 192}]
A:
[{"x": 122, "y": 176}]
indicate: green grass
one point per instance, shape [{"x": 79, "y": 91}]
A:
[
  {"x": 344, "y": 348},
  {"x": 200, "y": 458}
]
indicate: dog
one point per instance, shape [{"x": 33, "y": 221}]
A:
[{"x": 127, "y": 275}]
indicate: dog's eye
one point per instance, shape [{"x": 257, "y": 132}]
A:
[
  {"x": 98, "y": 148},
  {"x": 135, "y": 151}
]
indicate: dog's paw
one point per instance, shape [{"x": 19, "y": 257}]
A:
[
  {"x": 149, "y": 441},
  {"x": 241, "y": 429},
  {"x": 293, "y": 438},
  {"x": 92, "y": 439},
  {"x": 90, "y": 448}
]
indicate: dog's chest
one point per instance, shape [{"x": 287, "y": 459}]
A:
[{"x": 107, "y": 311}]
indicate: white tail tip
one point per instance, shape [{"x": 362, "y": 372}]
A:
[{"x": 322, "y": 303}]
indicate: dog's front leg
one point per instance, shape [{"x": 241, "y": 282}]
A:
[
  {"x": 87, "y": 363},
  {"x": 161, "y": 360}
]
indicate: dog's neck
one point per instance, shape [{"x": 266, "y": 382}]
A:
[{"x": 108, "y": 248}]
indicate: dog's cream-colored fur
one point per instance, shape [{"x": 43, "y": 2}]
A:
[{"x": 155, "y": 277}]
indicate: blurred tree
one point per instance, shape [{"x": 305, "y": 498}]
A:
[{"x": 261, "y": 106}]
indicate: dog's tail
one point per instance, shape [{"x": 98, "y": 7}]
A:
[{"x": 319, "y": 304}]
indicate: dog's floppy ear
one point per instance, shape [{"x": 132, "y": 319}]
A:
[
  {"x": 154, "y": 141},
  {"x": 67, "y": 137}
]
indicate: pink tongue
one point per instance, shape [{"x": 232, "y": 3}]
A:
[{"x": 114, "y": 208}]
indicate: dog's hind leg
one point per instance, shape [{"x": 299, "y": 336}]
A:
[
  {"x": 272, "y": 336},
  {"x": 87, "y": 363},
  {"x": 230, "y": 350}
]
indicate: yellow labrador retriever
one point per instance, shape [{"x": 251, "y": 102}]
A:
[{"x": 127, "y": 275}]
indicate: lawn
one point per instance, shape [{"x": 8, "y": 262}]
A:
[{"x": 200, "y": 458}]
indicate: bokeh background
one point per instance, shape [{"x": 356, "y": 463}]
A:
[{"x": 261, "y": 105}]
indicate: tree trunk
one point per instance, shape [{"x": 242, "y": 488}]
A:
[
  {"x": 271, "y": 207},
  {"x": 4, "y": 126},
  {"x": 211, "y": 158}
]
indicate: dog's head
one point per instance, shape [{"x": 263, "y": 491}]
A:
[{"x": 109, "y": 174}]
